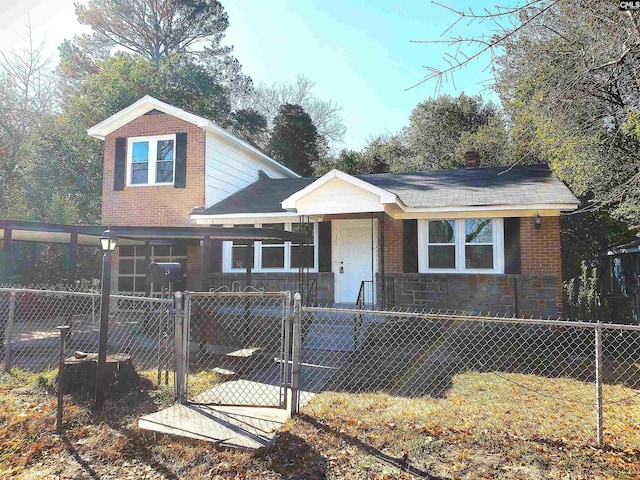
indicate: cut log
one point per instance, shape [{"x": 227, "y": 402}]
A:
[{"x": 80, "y": 374}]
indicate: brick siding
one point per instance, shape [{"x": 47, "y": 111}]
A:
[
  {"x": 154, "y": 205},
  {"x": 539, "y": 286},
  {"x": 540, "y": 250},
  {"x": 393, "y": 248}
]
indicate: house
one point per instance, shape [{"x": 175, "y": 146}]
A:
[{"x": 470, "y": 239}]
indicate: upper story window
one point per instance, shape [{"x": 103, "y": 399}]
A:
[
  {"x": 473, "y": 245},
  {"x": 151, "y": 160}
]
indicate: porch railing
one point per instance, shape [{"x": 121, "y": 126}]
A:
[
  {"x": 384, "y": 297},
  {"x": 269, "y": 283},
  {"x": 386, "y": 293}
]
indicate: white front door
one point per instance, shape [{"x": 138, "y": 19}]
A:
[{"x": 354, "y": 258}]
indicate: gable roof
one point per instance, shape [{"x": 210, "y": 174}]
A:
[
  {"x": 385, "y": 195},
  {"x": 148, "y": 103},
  {"x": 435, "y": 189}
]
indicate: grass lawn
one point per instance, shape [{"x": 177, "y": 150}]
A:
[{"x": 485, "y": 427}]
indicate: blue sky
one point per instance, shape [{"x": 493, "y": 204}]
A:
[{"x": 358, "y": 52}]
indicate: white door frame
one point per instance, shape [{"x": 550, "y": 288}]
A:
[{"x": 337, "y": 226}]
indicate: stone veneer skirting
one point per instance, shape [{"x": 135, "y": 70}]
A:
[
  {"x": 493, "y": 294},
  {"x": 496, "y": 294}
]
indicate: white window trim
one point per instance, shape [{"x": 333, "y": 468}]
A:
[
  {"x": 257, "y": 254},
  {"x": 498, "y": 248},
  {"x": 153, "y": 146}
]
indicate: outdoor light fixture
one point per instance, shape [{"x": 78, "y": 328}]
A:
[
  {"x": 537, "y": 221},
  {"x": 108, "y": 241}
]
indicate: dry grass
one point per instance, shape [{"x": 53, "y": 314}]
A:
[
  {"x": 492, "y": 427},
  {"x": 485, "y": 427}
]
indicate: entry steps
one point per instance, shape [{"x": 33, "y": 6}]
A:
[{"x": 337, "y": 331}]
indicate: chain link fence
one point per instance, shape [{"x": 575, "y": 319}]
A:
[
  {"x": 540, "y": 378},
  {"x": 236, "y": 344},
  {"x": 140, "y": 328},
  {"x": 548, "y": 379}
]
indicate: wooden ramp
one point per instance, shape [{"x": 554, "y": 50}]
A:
[{"x": 238, "y": 427}]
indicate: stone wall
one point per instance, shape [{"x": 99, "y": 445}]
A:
[{"x": 496, "y": 294}]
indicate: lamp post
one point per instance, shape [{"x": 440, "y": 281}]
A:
[{"x": 108, "y": 242}]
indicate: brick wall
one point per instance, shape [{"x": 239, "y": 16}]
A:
[
  {"x": 154, "y": 205},
  {"x": 194, "y": 267},
  {"x": 540, "y": 250},
  {"x": 393, "y": 248}
]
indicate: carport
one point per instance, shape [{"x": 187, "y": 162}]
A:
[{"x": 13, "y": 231}]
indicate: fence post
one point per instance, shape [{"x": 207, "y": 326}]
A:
[
  {"x": 8, "y": 353},
  {"x": 64, "y": 331},
  {"x": 599, "y": 419},
  {"x": 286, "y": 350},
  {"x": 295, "y": 361},
  {"x": 179, "y": 346}
]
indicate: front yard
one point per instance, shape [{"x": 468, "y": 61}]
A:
[{"x": 477, "y": 430}]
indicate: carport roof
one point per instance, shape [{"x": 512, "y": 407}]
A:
[{"x": 89, "y": 234}]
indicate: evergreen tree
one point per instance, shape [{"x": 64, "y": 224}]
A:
[{"x": 294, "y": 139}]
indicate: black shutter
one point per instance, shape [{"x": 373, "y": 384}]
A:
[
  {"x": 181, "y": 161},
  {"x": 120, "y": 165},
  {"x": 410, "y": 246},
  {"x": 512, "y": 253},
  {"x": 324, "y": 247}
]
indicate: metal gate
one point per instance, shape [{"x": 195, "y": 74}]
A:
[{"x": 237, "y": 348}]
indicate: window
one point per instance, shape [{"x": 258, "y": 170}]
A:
[
  {"x": 151, "y": 160},
  {"x": 238, "y": 253},
  {"x": 272, "y": 250},
  {"x": 478, "y": 244},
  {"x": 132, "y": 265},
  {"x": 442, "y": 244},
  {"x": 464, "y": 245},
  {"x": 273, "y": 255}
]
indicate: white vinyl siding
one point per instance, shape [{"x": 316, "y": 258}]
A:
[{"x": 230, "y": 169}]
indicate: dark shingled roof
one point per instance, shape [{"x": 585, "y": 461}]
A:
[
  {"x": 262, "y": 196},
  {"x": 530, "y": 184}
]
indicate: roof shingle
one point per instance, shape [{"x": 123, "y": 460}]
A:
[{"x": 493, "y": 186}]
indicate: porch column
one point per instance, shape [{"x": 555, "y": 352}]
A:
[
  {"x": 248, "y": 261},
  {"x": 206, "y": 263},
  {"x": 382, "y": 286},
  {"x": 147, "y": 260},
  {"x": 73, "y": 256},
  {"x": 6, "y": 265}
]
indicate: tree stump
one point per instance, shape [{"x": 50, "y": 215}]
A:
[{"x": 80, "y": 374}]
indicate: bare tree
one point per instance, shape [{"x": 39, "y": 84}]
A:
[
  {"x": 502, "y": 23},
  {"x": 325, "y": 114},
  {"x": 28, "y": 89}
]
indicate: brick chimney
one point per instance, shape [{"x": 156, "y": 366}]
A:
[{"x": 472, "y": 158}]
